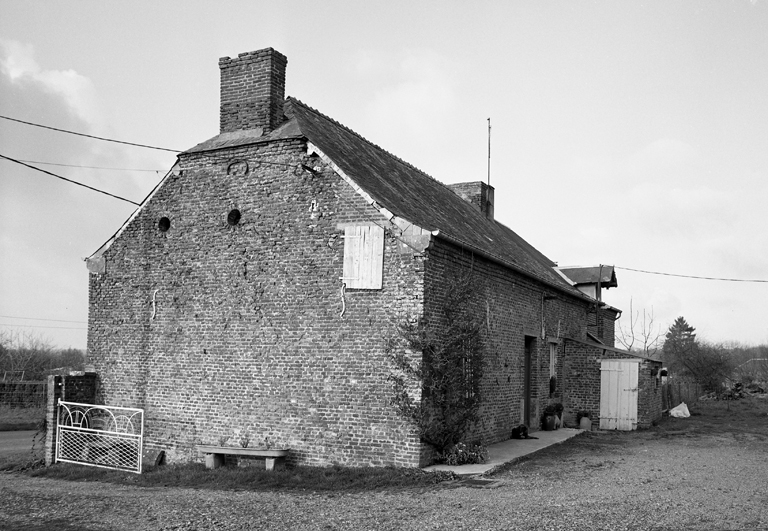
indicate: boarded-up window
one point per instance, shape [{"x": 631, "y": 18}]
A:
[{"x": 363, "y": 256}]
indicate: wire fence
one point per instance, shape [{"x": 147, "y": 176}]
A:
[{"x": 23, "y": 394}]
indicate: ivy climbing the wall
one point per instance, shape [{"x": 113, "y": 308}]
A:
[{"x": 438, "y": 367}]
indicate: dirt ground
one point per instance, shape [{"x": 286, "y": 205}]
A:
[{"x": 707, "y": 472}]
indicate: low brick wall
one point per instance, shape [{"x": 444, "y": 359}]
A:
[{"x": 81, "y": 389}]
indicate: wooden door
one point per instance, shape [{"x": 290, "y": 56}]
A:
[
  {"x": 527, "y": 380},
  {"x": 618, "y": 394}
]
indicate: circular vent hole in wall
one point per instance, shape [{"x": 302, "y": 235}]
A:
[
  {"x": 164, "y": 224},
  {"x": 234, "y": 217}
]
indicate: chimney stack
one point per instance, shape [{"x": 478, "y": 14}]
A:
[
  {"x": 478, "y": 194},
  {"x": 252, "y": 91}
]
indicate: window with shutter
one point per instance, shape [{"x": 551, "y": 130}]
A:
[{"x": 363, "y": 256}]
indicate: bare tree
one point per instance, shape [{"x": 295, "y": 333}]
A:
[
  {"x": 24, "y": 353},
  {"x": 640, "y": 334}
]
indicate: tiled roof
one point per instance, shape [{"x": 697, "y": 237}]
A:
[
  {"x": 402, "y": 189},
  {"x": 590, "y": 275},
  {"x": 413, "y": 195}
]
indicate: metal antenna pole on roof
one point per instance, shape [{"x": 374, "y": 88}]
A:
[{"x": 489, "y": 152}]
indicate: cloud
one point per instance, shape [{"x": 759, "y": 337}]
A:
[
  {"x": 49, "y": 225},
  {"x": 18, "y": 63}
]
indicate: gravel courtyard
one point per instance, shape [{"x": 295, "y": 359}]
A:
[{"x": 709, "y": 471}]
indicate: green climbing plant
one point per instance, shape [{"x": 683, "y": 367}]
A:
[{"x": 438, "y": 367}]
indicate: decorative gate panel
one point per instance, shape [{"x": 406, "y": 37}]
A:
[
  {"x": 618, "y": 394},
  {"x": 102, "y": 436}
]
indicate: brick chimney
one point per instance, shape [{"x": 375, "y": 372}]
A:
[
  {"x": 252, "y": 91},
  {"x": 476, "y": 193}
]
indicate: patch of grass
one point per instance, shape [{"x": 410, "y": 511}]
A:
[
  {"x": 25, "y": 459},
  {"x": 21, "y": 461},
  {"x": 312, "y": 479},
  {"x": 20, "y": 418}
]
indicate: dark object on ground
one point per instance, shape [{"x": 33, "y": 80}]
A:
[{"x": 521, "y": 432}]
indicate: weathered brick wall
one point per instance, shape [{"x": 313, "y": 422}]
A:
[
  {"x": 511, "y": 306},
  {"x": 81, "y": 389},
  {"x": 649, "y": 406},
  {"x": 582, "y": 385},
  {"x": 227, "y": 332},
  {"x": 602, "y": 324}
]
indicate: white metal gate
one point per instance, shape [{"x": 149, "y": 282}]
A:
[
  {"x": 618, "y": 394},
  {"x": 102, "y": 436}
]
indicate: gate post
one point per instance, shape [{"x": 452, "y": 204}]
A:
[{"x": 51, "y": 418}]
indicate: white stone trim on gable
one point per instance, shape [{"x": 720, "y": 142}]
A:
[{"x": 414, "y": 233}]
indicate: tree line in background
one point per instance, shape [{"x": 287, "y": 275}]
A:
[
  {"x": 712, "y": 365},
  {"x": 27, "y": 356}
]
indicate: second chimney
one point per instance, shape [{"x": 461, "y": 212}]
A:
[
  {"x": 252, "y": 91},
  {"x": 476, "y": 193}
]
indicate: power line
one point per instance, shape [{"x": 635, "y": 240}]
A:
[
  {"x": 70, "y": 180},
  {"x": 89, "y": 167},
  {"x": 690, "y": 276},
  {"x": 41, "y": 319},
  {"x": 118, "y": 142},
  {"x": 42, "y": 326},
  {"x": 89, "y": 136}
]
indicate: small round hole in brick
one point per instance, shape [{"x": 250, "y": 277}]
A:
[
  {"x": 164, "y": 224},
  {"x": 234, "y": 217}
]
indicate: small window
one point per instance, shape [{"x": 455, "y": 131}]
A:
[
  {"x": 363, "y": 257},
  {"x": 164, "y": 224},
  {"x": 552, "y": 359},
  {"x": 234, "y": 217}
]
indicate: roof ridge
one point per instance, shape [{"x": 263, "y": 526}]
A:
[{"x": 361, "y": 137}]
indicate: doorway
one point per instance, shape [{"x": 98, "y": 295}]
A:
[
  {"x": 618, "y": 394},
  {"x": 530, "y": 343}
]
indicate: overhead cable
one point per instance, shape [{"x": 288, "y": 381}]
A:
[
  {"x": 89, "y": 136},
  {"x": 41, "y": 319},
  {"x": 42, "y": 326},
  {"x": 691, "y": 276},
  {"x": 70, "y": 180},
  {"x": 88, "y": 167}
]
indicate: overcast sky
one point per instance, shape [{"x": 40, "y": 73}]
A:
[{"x": 628, "y": 134}]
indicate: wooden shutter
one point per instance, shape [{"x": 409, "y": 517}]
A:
[{"x": 363, "y": 256}]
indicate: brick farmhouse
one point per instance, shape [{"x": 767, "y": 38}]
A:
[{"x": 250, "y": 296}]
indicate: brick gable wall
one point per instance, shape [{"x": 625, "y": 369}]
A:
[{"x": 245, "y": 337}]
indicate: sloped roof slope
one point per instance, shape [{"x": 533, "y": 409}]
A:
[
  {"x": 402, "y": 189},
  {"x": 591, "y": 275},
  {"x": 413, "y": 195}
]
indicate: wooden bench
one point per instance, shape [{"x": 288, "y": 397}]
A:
[{"x": 214, "y": 455}]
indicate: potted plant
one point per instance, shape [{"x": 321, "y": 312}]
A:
[
  {"x": 559, "y": 414},
  {"x": 548, "y": 418},
  {"x": 584, "y": 420}
]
